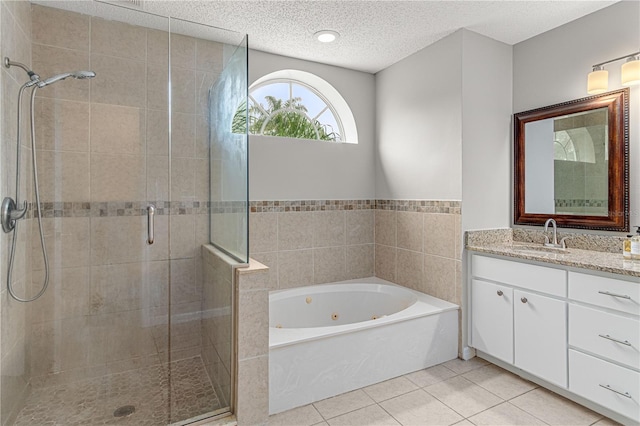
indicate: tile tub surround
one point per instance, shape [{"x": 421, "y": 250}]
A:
[
  {"x": 606, "y": 259},
  {"x": 307, "y": 242}
]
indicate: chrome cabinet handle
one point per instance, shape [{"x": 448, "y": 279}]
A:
[
  {"x": 607, "y": 387},
  {"x": 151, "y": 212},
  {"x": 523, "y": 300},
  {"x": 622, "y": 296},
  {"x": 500, "y": 293},
  {"x": 606, "y": 336}
]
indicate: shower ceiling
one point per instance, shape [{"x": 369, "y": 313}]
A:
[{"x": 373, "y": 34}]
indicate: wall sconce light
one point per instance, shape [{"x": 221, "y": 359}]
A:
[{"x": 598, "y": 79}]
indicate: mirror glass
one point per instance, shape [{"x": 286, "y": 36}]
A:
[
  {"x": 567, "y": 164},
  {"x": 571, "y": 163}
]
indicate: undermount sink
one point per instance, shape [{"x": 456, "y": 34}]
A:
[{"x": 538, "y": 248}]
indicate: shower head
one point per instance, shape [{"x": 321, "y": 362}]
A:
[{"x": 80, "y": 75}]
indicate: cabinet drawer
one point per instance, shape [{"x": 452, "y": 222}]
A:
[
  {"x": 597, "y": 380},
  {"x": 606, "y": 292},
  {"x": 608, "y": 335},
  {"x": 532, "y": 277}
]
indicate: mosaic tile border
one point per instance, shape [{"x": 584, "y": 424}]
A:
[
  {"x": 421, "y": 206},
  {"x": 121, "y": 208},
  {"x": 177, "y": 208},
  {"x": 310, "y": 205}
]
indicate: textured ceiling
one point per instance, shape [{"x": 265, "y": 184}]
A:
[{"x": 374, "y": 34}]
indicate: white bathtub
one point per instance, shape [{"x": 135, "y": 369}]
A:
[{"x": 323, "y": 340}]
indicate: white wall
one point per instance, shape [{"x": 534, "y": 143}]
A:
[
  {"x": 486, "y": 132},
  {"x": 418, "y": 124},
  {"x": 553, "y": 67},
  {"x": 290, "y": 169}
]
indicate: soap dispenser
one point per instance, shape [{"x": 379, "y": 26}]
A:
[
  {"x": 635, "y": 245},
  {"x": 626, "y": 247}
]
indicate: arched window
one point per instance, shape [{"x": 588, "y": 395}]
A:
[{"x": 298, "y": 104}]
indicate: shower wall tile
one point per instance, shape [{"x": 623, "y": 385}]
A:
[
  {"x": 157, "y": 87},
  {"x": 328, "y": 228},
  {"x": 55, "y": 27},
  {"x": 183, "y": 51},
  {"x": 183, "y": 185},
  {"x": 122, "y": 239},
  {"x": 184, "y": 287},
  {"x": 14, "y": 320},
  {"x": 157, "y": 132},
  {"x": 183, "y": 90},
  {"x": 67, "y": 295},
  {"x": 183, "y": 134},
  {"x": 63, "y": 176},
  {"x": 359, "y": 261},
  {"x": 121, "y": 81},
  {"x": 202, "y": 137},
  {"x": 157, "y": 177},
  {"x": 183, "y": 235},
  {"x": 21, "y": 11},
  {"x": 62, "y": 125},
  {"x": 50, "y": 61},
  {"x": 209, "y": 56},
  {"x": 117, "y": 178},
  {"x": 67, "y": 242},
  {"x": 118, "y": 129},
  {"x": 359, "y": 226},
  {"x": 158, "y": 47},
  {"x": 115, "y": 38},
  {"x": 329, "y": 265},
  {"x": 201, "y": 168},
  {"x": 253, "y": 391},
  {"x": 295, "y": 230},
  {"x": 204, "y": 80}
]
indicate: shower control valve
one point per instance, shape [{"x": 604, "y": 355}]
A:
[{"x": 10, "y": 212}]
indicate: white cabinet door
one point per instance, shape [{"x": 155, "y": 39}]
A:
[
  {"x": 492, "y": 319},
  {"x": 540, "y": 325}
]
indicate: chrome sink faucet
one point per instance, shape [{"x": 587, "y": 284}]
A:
[{"x": 553, "y": 243}]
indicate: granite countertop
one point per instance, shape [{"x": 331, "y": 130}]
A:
[{"x": 501, "y": 242}]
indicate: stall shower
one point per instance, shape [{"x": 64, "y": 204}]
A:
[{"x": 102, "y": 322}]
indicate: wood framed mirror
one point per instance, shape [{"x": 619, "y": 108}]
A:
[{"x": 571, "y": 163}]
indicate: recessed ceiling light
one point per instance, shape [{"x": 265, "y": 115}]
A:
[{"x": 326, "y": 36}]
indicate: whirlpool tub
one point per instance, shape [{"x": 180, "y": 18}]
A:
[{"x": 328, "y": 339}]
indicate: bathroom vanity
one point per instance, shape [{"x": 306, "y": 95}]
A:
[{"x": 569, "y": 321}]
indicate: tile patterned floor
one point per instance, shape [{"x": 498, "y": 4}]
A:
[
  {"x": 93, "y": 401},
  {"x": 456, "y": 392}
]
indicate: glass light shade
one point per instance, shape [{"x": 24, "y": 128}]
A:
[
  {"x": 631, "y": 72},
  {"x": 598, "y": 82}
]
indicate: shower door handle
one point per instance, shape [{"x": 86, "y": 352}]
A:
[{"x": 151, "y": 212}]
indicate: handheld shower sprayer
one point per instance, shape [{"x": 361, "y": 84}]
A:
[
  {"x": 79, "y": 75},
  {"x": 12, "y": 211}
]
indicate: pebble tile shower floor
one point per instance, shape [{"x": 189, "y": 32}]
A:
[{"x": 94, "y": 401}]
